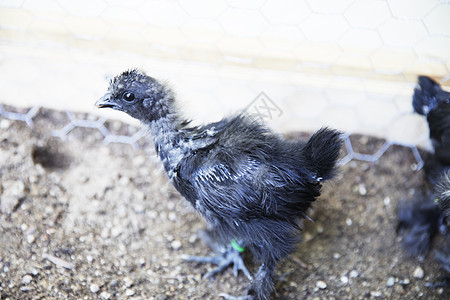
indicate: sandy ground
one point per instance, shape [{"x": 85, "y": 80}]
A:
[{"x": 84, "y": 220}]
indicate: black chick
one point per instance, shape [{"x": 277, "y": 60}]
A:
[
  {"x": 434, "y": 103},
  {"x": 428, "y": 216},
  {"x": 442, "y": 199},
  {"x": 251, "y": 185}
]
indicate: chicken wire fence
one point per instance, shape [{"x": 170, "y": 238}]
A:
[
  {"x": 348, "y": 64},
  {"x": 133, "y": 139}
]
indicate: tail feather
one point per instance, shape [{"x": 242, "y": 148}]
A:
[{"x": 322, "y": 151}]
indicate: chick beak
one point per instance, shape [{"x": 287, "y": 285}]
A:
[{"x": 105, "y": 101}]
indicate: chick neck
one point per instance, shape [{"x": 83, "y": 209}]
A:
[{"x": 167, "y": 135}]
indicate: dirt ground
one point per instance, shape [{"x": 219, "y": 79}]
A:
[{"x": 83, "y": 220}]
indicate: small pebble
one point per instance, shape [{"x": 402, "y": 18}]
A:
[
  {"x": 348, "y": 221},
  {"x": 354, "y": 274},
  {"x": 418, "y": 273},
  {"x": 124, "y": 180},
  {"x": 405, "y": 281},
  {"x": 172, "y": 216},
  {"x": 26, "y": 288},
  {"x": 390, "y": 281},
  {"x": 31, "y": 238},
  {"x": 139, "y": 208},
  {"x": 319, "y": 228},
  {"x": 116, "y": 231},
  {"x": 362, "y": 189},
  {"x": 105, "y": 295},
  {"x": 152, "y": 214},
  {"x": 27, "y": 279},
  {"x": 321, "y": 284},
  {"x": 128, "y": 282},
  {"x": 387, "y": 201},
  {"x": 336, "y": 255},
  {"x": 192, "y": 238},
  {"x": 170, "y": 205},
  {"x": 4, "y": 124},
  {"x": 175, "y": 245},
  {"x": 375, "y": 294},
  {"x": 13, "y": 191},
  {"x": 142, "y": 261},
  {"x": 94, "y": 288},
  {"x": 307, "y": 237},
  {"x": 129, "y": 292},
  {"x": 344, "y": 279},
  {"x": 34, "y": 271}
]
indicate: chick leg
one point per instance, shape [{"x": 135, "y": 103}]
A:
[
  {"x": 226, "y": 255},
  {"x": 261, "y": 287}
]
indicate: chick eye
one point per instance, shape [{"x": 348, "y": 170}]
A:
[{"x": 127, "y": 96}]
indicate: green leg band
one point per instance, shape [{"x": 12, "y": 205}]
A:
[{"x": 236, "y": 246}]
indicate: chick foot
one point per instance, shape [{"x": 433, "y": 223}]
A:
[{"x": 229, "y": 255}]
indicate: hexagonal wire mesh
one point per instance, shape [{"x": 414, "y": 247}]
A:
[{"x": 350, "y": 64}]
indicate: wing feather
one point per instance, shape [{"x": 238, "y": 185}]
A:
[{"x": 224, "y": 173}]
